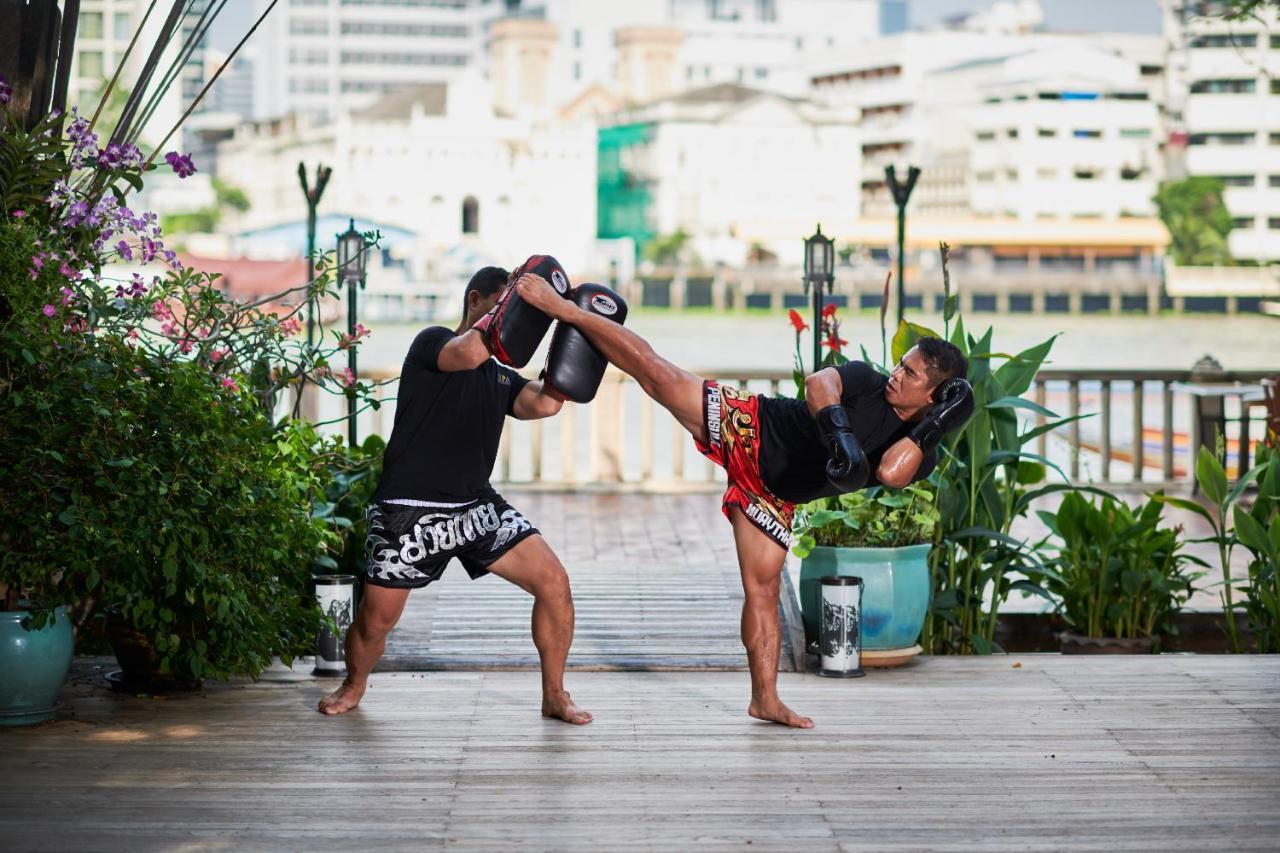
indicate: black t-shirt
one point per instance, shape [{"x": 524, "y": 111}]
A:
[
  {"x": 447, "y": 426},
  {"x": 793, "y": 455}
]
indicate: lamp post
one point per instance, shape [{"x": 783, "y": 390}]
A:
[
  {"x": 819, "y": 272},
  {"x": 901, "y": 195},
  {"x": 351, "y": 260},
  {"x": 313, "y": 193}
]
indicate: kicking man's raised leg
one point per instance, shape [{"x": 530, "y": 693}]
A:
[{"x": 675, "y": 389}]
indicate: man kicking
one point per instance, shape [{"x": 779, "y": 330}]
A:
[
  {"x": 854, "y": 428},
  {"x": 434, "y": 501}
]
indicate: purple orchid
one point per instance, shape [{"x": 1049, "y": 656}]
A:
[
  {"x": 181, "y": 164},
  {"x": 6, "y": 91}
]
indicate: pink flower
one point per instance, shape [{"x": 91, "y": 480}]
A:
[
  {"x": 49, "y": 310},
  {"x": 68, "y": 295},
  {"x": 19, "y": 214},
  {"x": 125, "y": 252},
  {"x": 230, "y": 384},
  {"x": 219, "y": 354},
  {"x": 290, "y": 326},
  {"x": 186, "y": 345},
  {"x": 348, "y": 377},
  {"x": 133, "y": 334},
  {"x": 181, "y": 164},
  {"x": 160, "y": 310}
]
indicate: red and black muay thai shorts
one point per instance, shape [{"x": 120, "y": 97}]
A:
[{"x": 733, "y": 428}]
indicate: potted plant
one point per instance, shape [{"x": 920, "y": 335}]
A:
[
  {"x": 1119, "y": 577},
  {"x": 884, "y": 537}
]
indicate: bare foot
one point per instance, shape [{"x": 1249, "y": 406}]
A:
[
  {"x": 342, "y": 700},
  {"x": 773, "y": 711},
  {"x": 562, "y": 708}
]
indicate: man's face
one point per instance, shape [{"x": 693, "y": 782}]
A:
[
  {"x": 481, "y": 305},
  {"x": 909, "y": 384}
]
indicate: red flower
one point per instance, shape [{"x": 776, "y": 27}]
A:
[
  {"x": 835, "y": 342},
  {"x": 798, "y": 324},
  {"x": 829, "y": 310}
]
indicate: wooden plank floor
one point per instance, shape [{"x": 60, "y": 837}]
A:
[
  {"x": 655, "y": 587},
  {"x": 1159, "y": 753}
]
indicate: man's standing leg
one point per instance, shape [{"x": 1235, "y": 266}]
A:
[
  {"x": 535, "y": 568},
  {"x": 761, "y": 560},
  {"x": 380, "y": 610}
]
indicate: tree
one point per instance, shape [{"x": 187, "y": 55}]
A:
[
  {"x": 1197, "y": 220},
  {"x": 667, "y": 248}
]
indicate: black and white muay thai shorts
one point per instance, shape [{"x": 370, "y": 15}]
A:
[{"x": 410, "y": 543}]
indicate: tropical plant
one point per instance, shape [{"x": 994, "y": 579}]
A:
[
  {"x": 1223, "y": 497},
  {"x": 1259, "y": 532},
  {"x": 873, "y": 518},
  {"x": 1116, "y": 572},
  {"x": 667, "y": 248},
  {"x": 982, "y": 486},
  {"x": 1198, "y": 221},
  {"x": 351, "y": 476}
]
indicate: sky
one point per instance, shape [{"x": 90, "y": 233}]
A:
[
  {"x": 1128, "y": 16},
  {"x": 1116, "y": 16}
]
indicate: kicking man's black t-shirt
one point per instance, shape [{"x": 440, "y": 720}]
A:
[
  {"x": 793, "y": 454},
  {"x": 447, "y": 425}
]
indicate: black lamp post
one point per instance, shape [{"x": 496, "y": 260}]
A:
[
  {"x": 901, "y": 195},
  {"x": 819, "y": 273},
  {"x": 313, "y": 193},
  {"x": 351, "y": 259}
]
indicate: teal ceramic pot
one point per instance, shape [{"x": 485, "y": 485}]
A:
[
  {"x": 895, "y": 591},
  {"x": 33, "y": 665}
]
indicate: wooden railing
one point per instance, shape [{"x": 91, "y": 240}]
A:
[{"x": 624, "y": 441}]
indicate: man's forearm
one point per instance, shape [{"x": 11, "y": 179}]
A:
[
  {"x": 822, "y": 389},
  {"x": 900, "y": 463}
]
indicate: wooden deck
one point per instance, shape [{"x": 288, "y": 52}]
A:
[{"x": 1000, "y": 753}]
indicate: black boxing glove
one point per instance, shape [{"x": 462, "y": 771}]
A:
[
  {"x": 516, "y": 328},
  {"x": 951, "y": 411},
  {"x": 575, "y": 367},
  {"x": 847, "y": 469}
]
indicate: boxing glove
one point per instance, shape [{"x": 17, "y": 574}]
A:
[
  {"x": 516, "y": 327},
  {"x": 953, "y": 407},
  {"x": 575, "y": 368},
  {"x": 847, "y": 467}
]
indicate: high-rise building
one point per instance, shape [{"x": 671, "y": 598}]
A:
[{"x": 1224, "y": 102}]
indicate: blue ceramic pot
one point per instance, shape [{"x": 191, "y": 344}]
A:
[
  {"x": 895, "y": 592},
  {"x": 33, "y": 665}
]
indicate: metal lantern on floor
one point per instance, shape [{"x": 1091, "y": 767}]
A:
[
  {"x": 840, "y": 628},
  {"x": 336, "y": 595}
]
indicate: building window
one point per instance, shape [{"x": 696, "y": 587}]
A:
[
  {"x": 1224, "y": 87},
  {"x": 1223, "y": 138},
  {"x": 577, "y": 70},
  {"x": 1085, "y": 174},
  {"x": 1275, "y": 87},
  {"x": 1047, "y": 174},
  {"x": 762, "y": 73},
  {"x": 1242, "y": 222},
  {"x": 1046, "y": 133},
  {"x": 308, "y": 27},
  {"x": 577, "y": 38},
  {"x": 1274, "y": 181},
  {"x": 308, "y": 86},
  {"x": 1275, "y": 42},
  {"x": 1237, "y": 180},
  {"x": 1087, "y": 134},
  {"x": 1226, "y": 40},
  {"x": 120, "y": 26},
  {"x": 1275, "y": 139},
  {"x": 375, "y": 28},
  {"x": 1012, "y": 133},
  {"x": 1130, "y": 174},
  {"x": 308, "y": 56},
  {"x": 1011, "y": 174},
  {"x": 986, "y": 135},
  {"x": 1135, "y": 133},
  {"x": 985, "y": 177},
  {"x": 1273, "y": 222},
  {"x": 371, "y": 57},
  {"x": 91, "y": 25},
  {"x": 470, "y": 215},
  {"x": 91, "y": 63}
]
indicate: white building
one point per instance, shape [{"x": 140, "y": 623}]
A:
[
  {"x": 1062, "y": 132},
  {"x": 924, "y": 96},
  {"x": 731, "y": 167},
  {"x": 1224, "y": 95},
  {"x": 321, "y": 57},
  {"x": 438, "y": 162}
]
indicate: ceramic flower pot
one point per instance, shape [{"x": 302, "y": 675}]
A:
[
  {"x": 895, "y": 597},
  {"x": 34, "y": 664}
]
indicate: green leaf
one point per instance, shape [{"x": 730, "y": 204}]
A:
[
  {"x": 1188, "y": 505},
  {"x": 1020, "y": 403},
  {"x": 1251, "y": 533},
  {"x": 28, "y": 357},
  {"x": 1211, "y": 476},
  {"x": 1017, "y": 374},
  {"x": 906, "y": 336}
]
